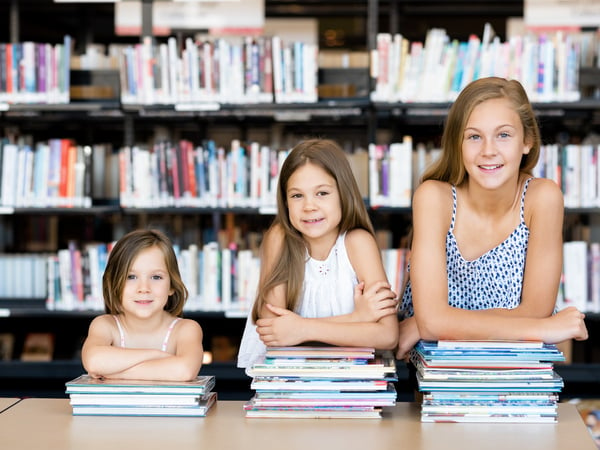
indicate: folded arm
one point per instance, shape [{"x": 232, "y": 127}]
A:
[
  {"x": 373, "y": 322},
  {"x": 101, "y": 358}
]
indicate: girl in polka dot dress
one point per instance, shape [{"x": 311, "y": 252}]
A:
[
  {"x": 486, "y": 255},
  {"x": 321, "y": 276}
]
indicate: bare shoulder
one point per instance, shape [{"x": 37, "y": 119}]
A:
[
  {"x": 433, "y": 193},
  {"x": 543, "y": 194},
  {"x": 103, "y": 328},
  {"x": 358, "y": 238},
  {"x": 189, "y": 326},
  {"x": 103, "y": 321}
]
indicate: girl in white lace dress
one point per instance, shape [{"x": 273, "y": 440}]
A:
[{"x": 322, "y": 278}]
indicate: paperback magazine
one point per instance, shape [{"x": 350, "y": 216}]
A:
[{"x": 115, "y": 397}]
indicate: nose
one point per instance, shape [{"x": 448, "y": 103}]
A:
[
  {"x": 142, "y": 285},
  {"x": 308, "y": 203},
  {"x": 488, "y": 147}
]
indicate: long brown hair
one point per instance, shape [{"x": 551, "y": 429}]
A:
[
  {"x": 119, "y": 264},
  {"x": 449, "y": 166},
  {"x": 289, "y": 268}
]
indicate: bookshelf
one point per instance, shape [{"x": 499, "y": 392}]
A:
[{"x": 353, "y": 121}]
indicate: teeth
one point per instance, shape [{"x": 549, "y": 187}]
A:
[{"x": 495, "y": 166}]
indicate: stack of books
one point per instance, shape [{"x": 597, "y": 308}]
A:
[
  {"x": 488, "y": 381},
  {"x": 322, "y": 382},
  {"x": 114, "y": 397}
]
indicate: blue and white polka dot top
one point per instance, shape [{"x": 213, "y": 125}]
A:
[{"x": 494, "y": 280}]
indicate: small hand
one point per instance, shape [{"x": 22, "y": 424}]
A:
[
  {"x": 283, "y": 330},
  {"x": 374, "y": 303},
  {"x": 407, "y": 338},
  {"x": 566, "y": 324}
]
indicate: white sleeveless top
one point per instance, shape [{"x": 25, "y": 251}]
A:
[{"x": 328, "y": 290}]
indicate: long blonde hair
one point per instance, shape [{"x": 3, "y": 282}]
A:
[
  {"x": 289, "y": 267},
  {"x": 449, "y": 166}
]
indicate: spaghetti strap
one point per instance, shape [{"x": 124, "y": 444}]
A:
[
  {"x": 522, "y": 212},
  {"x": 166, "y": 340},
  {"x": 121, "y": 332},
  {"x": 453, "y": 208}
]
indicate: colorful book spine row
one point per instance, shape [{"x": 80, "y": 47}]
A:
[
  {"x": 32, "y": 72},
  {"x": 204, "y": 175},
  {"x": 576, "y": 169},
  {"x": 56, "y": 173},
  {"x": 217, "y": 279},
  {"x": 437, "y": 69},
  {"x": 207, "y": 72}
]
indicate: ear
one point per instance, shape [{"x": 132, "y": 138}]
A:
[{"x": 527, "y": 146}]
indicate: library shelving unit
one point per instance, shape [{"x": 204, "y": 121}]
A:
[{"x": 349, "y": 120}]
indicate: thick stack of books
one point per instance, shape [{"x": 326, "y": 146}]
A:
[
  {"x": 488, "y": 381},
  {"x": 114, "y": 397},
  {"x": 322, "y": 382}
]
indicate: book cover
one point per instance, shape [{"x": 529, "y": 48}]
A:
[
  {"x": 87, "y": 384},
  {"x": 199, "y": 410}
]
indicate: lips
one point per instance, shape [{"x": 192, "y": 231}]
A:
[{"x": 490, "y": 166}]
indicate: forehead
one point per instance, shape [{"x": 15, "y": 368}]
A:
[
  {"x": 309, "y": 175},
  {"x": 493, "y": 112},
  {"x": 149, "y": 257}
]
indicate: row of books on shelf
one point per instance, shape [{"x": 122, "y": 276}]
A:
[
  {"x": 438, "y": 68},
  {"x": 575, "y": 168},
  {"x": 205, "y": 72},
  {"x": 222, "y": 70},
  {"x": 224, "y": 277},
  {"x": 61, "y": 173},
  {"x": 33, "y": 72},
  {"x": 322, "y": 382},
  {"x": 488, "y": 381},
  {"x": 218, "y": 278}
]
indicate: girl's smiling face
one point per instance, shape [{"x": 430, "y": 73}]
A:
[
  {"x": 148, "y": 284},
  {"x": 493, "y": 143},
  {"x": 313, "y": 201}
]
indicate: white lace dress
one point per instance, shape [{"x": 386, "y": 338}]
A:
[{"x": 328, "y": 290}]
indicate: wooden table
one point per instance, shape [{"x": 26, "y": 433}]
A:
[{"x": 49, "y": 424}]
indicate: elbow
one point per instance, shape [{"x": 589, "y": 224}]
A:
[
  {"x": 91, "y": 365},
  {"x": 431, "y": 330},
  {"x": 186, "y": 372},
  {"x": 389, "y": 339}
]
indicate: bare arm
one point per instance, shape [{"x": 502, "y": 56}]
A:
[
  {"x": 283, "y": 327},
  {"x": 101, "y": 358},
  {"x": 532, "y": 319}
]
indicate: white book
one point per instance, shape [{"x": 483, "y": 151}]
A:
[
  {"x": 211, "y": 296},
  {"x": 10, "y": 158},
  {"x": 575, "y": 270},
  {"x": 595, "y": 277},
  {"x": 172, "y": 70},
  {"x": 226, "y": 278},
  {"x": 67, "y": 297}
]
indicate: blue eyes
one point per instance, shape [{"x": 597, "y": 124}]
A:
[
  {"x": 476, "y": 137},
  {"x": 153, "y": 277}
]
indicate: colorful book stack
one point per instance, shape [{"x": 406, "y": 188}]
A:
[
  {"x": 488, "y": 381},
  {"x": 322, "y": 382},
  {"x": 114, "y": 397}
]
